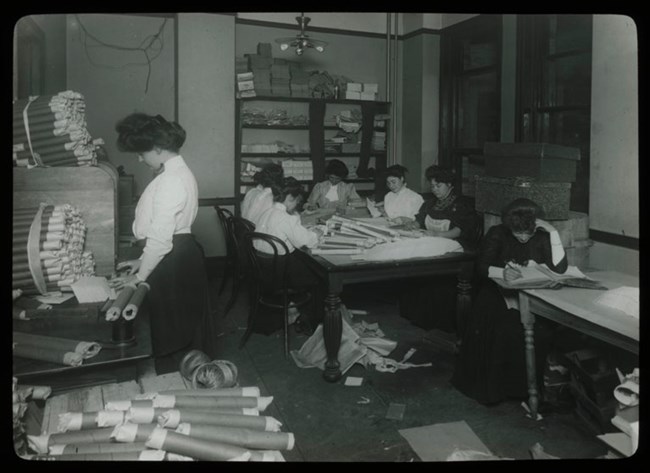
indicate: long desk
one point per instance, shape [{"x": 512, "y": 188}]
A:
[
  {"x": 340, "y": 270},
  {"x": 577, "y": 309}
]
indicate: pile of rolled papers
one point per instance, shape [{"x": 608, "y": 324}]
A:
[
  {"x": 348, "y": 236},
  {"x": 50, "y": 130},
  {"x": 64, "y": 351},
  {"x": 48, "y": 249},
  {"x": 21, "y": 395},
  {"x": 187, "y": 424}
]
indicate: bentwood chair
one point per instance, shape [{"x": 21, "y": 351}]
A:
[
  {"x": 269, "y": 286},
  {"x": 231, "y": 269}
]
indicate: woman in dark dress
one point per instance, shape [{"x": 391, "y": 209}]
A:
[
  {"x": 431, "y": 302},
  {"x": 491, "y": 363}
]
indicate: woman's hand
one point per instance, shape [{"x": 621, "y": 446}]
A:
[
  {"x": 412, "y": 225},
  {"x": 118, "y": 283},
  {"x": 129, "y": 267},
  {"x": 511, "y": 272},
  {"x": 309, "y": 207},
  {"x": 544, "y": 225}
]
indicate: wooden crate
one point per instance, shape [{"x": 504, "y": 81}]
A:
[
  {"x": 92, "y": 189},
  {"x": 542, "y": 161}
]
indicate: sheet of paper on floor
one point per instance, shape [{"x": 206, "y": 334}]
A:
[{"x": 437, "y": 441}]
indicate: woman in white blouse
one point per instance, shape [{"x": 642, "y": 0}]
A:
[
  {"x": 260, "y": 197},
  {"x": 401, "y": 204},
  {"x": 283, "y": 221},
  {"x": 172, "y": 261}
]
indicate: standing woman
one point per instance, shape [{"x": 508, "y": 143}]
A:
[
  {"x": 401, "y": 204},
  {"x": 172, "y": 261},
  {"x": 491, "y": 363}
]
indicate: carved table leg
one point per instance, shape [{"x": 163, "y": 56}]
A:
[
  {"x": 463, "y": 299},
  {"x": 332, "y": 330},
  {"x": 528, "y": 321}
]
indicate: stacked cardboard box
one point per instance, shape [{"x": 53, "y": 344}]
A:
[
  {"x": 246, "y": 84},
  {"x": 299, "y": 82},
  {"x": 361, "y": 91},
  {"x": 260, "y": 66},
  {"x": 280, "y": 79},
  {"x": 301, "y": 169}
]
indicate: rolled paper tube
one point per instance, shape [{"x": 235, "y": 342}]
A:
[
  {"x": 41, "y": 443},
  {"x": 51, "y": 245},
  {"x": 22, "y": 393},
  {"x": 247, "y": 438},
  {"x": 18, "y": 313},
  {"x": 114, "y": 312},
  {"x": 131, "y": 309},
  {"x": 109, "y": 447},
  {"x": 89, "y": 420},
  {"x": 44, "y": 354},
  {"x": 45, "y": 229},
  {"x": 174, "y": 457},
  {"x": 141, "y": 415},
  {"x": 40, "y": 392},
  {"x": 127, "y": 404},
  {"x": 248, "y": 391},
  {"x": 173, "y": 417},
  {"x": 260, "y": 403},
  {"x": 130, "y": 432},
  {"x": 86, "y": 349},
  {"x": 170, "y": 441},
  {"x": 146, "y": 455}
]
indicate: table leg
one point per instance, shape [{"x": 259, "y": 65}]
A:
[
  {"x": 332, "y": 330},
  {"x": 463, "y": 297},
  {"x": 528, "y": 321}
]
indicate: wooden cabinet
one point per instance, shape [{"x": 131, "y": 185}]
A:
[{"x": 298, "y": 134}]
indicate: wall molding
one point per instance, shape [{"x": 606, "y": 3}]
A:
[
  {"x": 418, "y": 32},
  {"x": 318, "y": 29},
  {"x": 614, "y": 239}
]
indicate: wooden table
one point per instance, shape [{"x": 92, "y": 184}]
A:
[
  {"x": 577, "y": 309},
  {"x": 341, "y": 270},
  {"x": 88, "y": 326}
]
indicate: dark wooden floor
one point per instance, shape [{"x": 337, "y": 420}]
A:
[{"x": 335, "y": 422}]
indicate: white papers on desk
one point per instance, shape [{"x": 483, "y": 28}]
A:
[
  {"x": 372, "y": 208},
  {"x": 92, "y": 289},
  {"x": 424, "y": 247},
  {"x": 624, "y": 298}
]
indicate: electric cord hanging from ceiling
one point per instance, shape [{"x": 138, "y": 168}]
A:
[{"x": 153, "y": 43}]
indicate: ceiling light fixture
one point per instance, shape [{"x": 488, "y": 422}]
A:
[{"x": 302, "y": 41}]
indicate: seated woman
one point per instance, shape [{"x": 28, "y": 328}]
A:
[
  {"x": 431, "y": 302},
  {"x": 401, "y": 204},
  {"x": 334, "y": 192},
  {"x": 491, "y": 363},
  {"x": 260, "y": 197},
  {"x": 283, "y": 221}
]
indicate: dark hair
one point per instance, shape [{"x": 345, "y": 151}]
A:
[
  {"x": 440, "y": 174},
  {"x": 289, "y": 186},
  {"x": 396, "y": 170},
  {"x": 270, "y": 174},
  {"x": 520, "y": 214},
  {"x": 139, "y": 133},
  {"x": 337, "y": 167}
]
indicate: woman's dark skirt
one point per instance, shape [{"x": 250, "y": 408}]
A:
[{"x": 179, "y": 305}]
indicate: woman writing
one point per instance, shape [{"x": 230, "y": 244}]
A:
[
  {"x": 401, "y": 204},
  {"x": 283, "y": 221},
  {"x": 334, "y": 192},
  {"x": 491, "y": 366},
  {"x": 431, "y": 302},
  {"x": 260, "y": 197},
  {"x": 172, "y": 261}
]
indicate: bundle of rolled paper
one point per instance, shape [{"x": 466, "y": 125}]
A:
[
  {"x": 50, "y": 130},
  {"x": 188, "y": 424},
  {"x": 53, "y": 349},
  {"x": 21, "y": 395},
  {"x": 48, "y": 249}
]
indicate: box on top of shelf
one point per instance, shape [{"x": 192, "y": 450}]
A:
[
  {"x": 494, "y": 193},
  {"x": 354, "y": 87},
  {"x": 543, "y": 161},
  {"x": 352, "y": 95},
  {"x": 370, "y": 87}
]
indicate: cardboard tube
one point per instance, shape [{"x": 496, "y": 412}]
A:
[
  {"x": 45, "y": 354},
  {"x": 260, "y": 403},
  {"x": 170, "y": 441},
  {"x": 85, "y": 349},
  {"x": 247, "y": 438},
  {"x": 252, "y": 391},
  {"x": 108, "y": 447},
  {"x": 146, "y": 455},
  {"x": 173, "y": 417},
  {"x": 120, "y": 302},
  {"x": 129, "y": 432},
  {"x": 41, "y": 443},
  {"x": 131, "y": 309}
]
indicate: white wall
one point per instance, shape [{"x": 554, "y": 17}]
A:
[
  {"x": 614, "y": 186},
  {"x": 113, "y": 81},
  {"x": 206, "y": 108}
]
